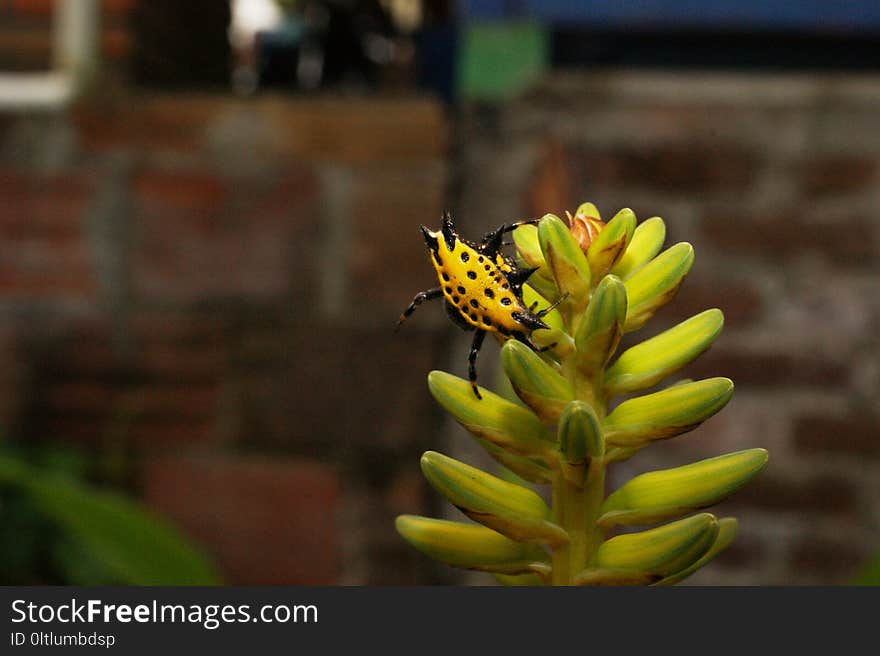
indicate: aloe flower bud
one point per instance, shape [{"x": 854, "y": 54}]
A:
[
  {"x": 585, "y": 225},
  {"x": 584, "y": 285}
]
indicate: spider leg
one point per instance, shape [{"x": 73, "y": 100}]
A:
[
  {"x": 538, "y": 349},
  {"x": 472, "y": 360},
  {"x": 552, "y": 307},
  {"x": 492, "y": 240},
  {"x": 516, "y": 224},
  {"x": 420, "y": 298}
]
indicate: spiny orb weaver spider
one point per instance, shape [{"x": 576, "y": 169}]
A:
[{"x": 482, "y": 288}]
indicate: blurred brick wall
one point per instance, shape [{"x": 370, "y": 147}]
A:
[
  {"x": 776, "y": 182},
  {"x": 201, "y": 292},
  {"x": 26, "y": 33}
]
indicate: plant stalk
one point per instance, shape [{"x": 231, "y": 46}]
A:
[{"x": 576, "y": 507}]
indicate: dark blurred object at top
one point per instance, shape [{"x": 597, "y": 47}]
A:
[
  {"x": 181, "y": 44},
  {"x": 296, "y": 45},
  {"x": 359, "y": 45},
  {"x": 329, "y": 43}
]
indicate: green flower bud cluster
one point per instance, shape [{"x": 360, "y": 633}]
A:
[{"x": 571, "y": 424}]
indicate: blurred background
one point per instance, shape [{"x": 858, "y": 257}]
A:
[{"x": 209, "y": 221}]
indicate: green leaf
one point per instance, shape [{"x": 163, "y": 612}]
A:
[
  {"x": 598, "y": 333},
  {"x": 78, "y": 564},
  {"x": 663, "y": 550},
  {"x": 660, "y": 495},
  {"x": 470, "y": 546},
  {"x": 646, "y": 242},
  {"x": 535, "y": 381},
  {"x": 648, "y": 363},
  {"x": 491, "y": 418},
  {"x": 566, "y": 261},
  {"x": 666, "y": 413},
  {"x": 869, "y": 574},
  {"x": 610, "y": 244},
  {"x": 654, "y": 285},
  {"x": 510, "y": 509},
  {"x": 135, "y": 547},
  {"x": 726, "y": 533}
]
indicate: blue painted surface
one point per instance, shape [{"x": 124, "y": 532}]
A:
[{"x": 801, "y": 15}]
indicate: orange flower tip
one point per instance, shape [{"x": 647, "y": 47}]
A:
[{"x": 585, "y": 229}]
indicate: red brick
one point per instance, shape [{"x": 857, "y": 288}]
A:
[
  {"x": 838, "y": 174},
  {"x": 109, "y": 402},
  {"x": 42, "y": 206},
  {"x": 49, "y": 258},
  {"x": 187, "y": 328},
  {"x": 670, "y": 168},
  {"x": 834, "y": 561},
  {"x": 117, "y": 6},
  {"x": 782, "y": 235},
  {"x": 116, "y": 42},
  {"x": 198, "y": 239},
  {"x": 149, "y": 124},
  {"x": 26, "y": 47},
  {"x": 152, "y": 342},
  {"x": 406, "y": 493},
  {"x": 184, "y": 191},
  {"x": 158, "y": 360},
  {"x": 856, "y": 434},
  {"x": 819, "y": 494},
  {"x": 291, "y": 203},
  {"x": 43, "y": 220},
  {"x": 189, "y": 258},
  {"x": 745, "y": 551},
  {"x": 740, "y": 302},
  {"x": 388, "y": 263},
  {"x": 116, "y": 431},
  {"x": 34, "y": 7},
  {"x": 82, "y": 398},
  {"x": 268, "y": 521},
  {"x": 551, "y": 186},
  {"x": 362, "y": 131},
  {"x": 759, "y": 369},
  {"x": 32, "y": 286},
  {"x": 173, "y": 401},
  {"x": 12, "y": 373},
  {"x": 342, "y": 389},
  {"x": 175, "y": 435}
]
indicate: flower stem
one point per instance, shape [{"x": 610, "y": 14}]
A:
[
  {"x": 576, "y": 510},
  {"x": 576, "y": 506}
]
